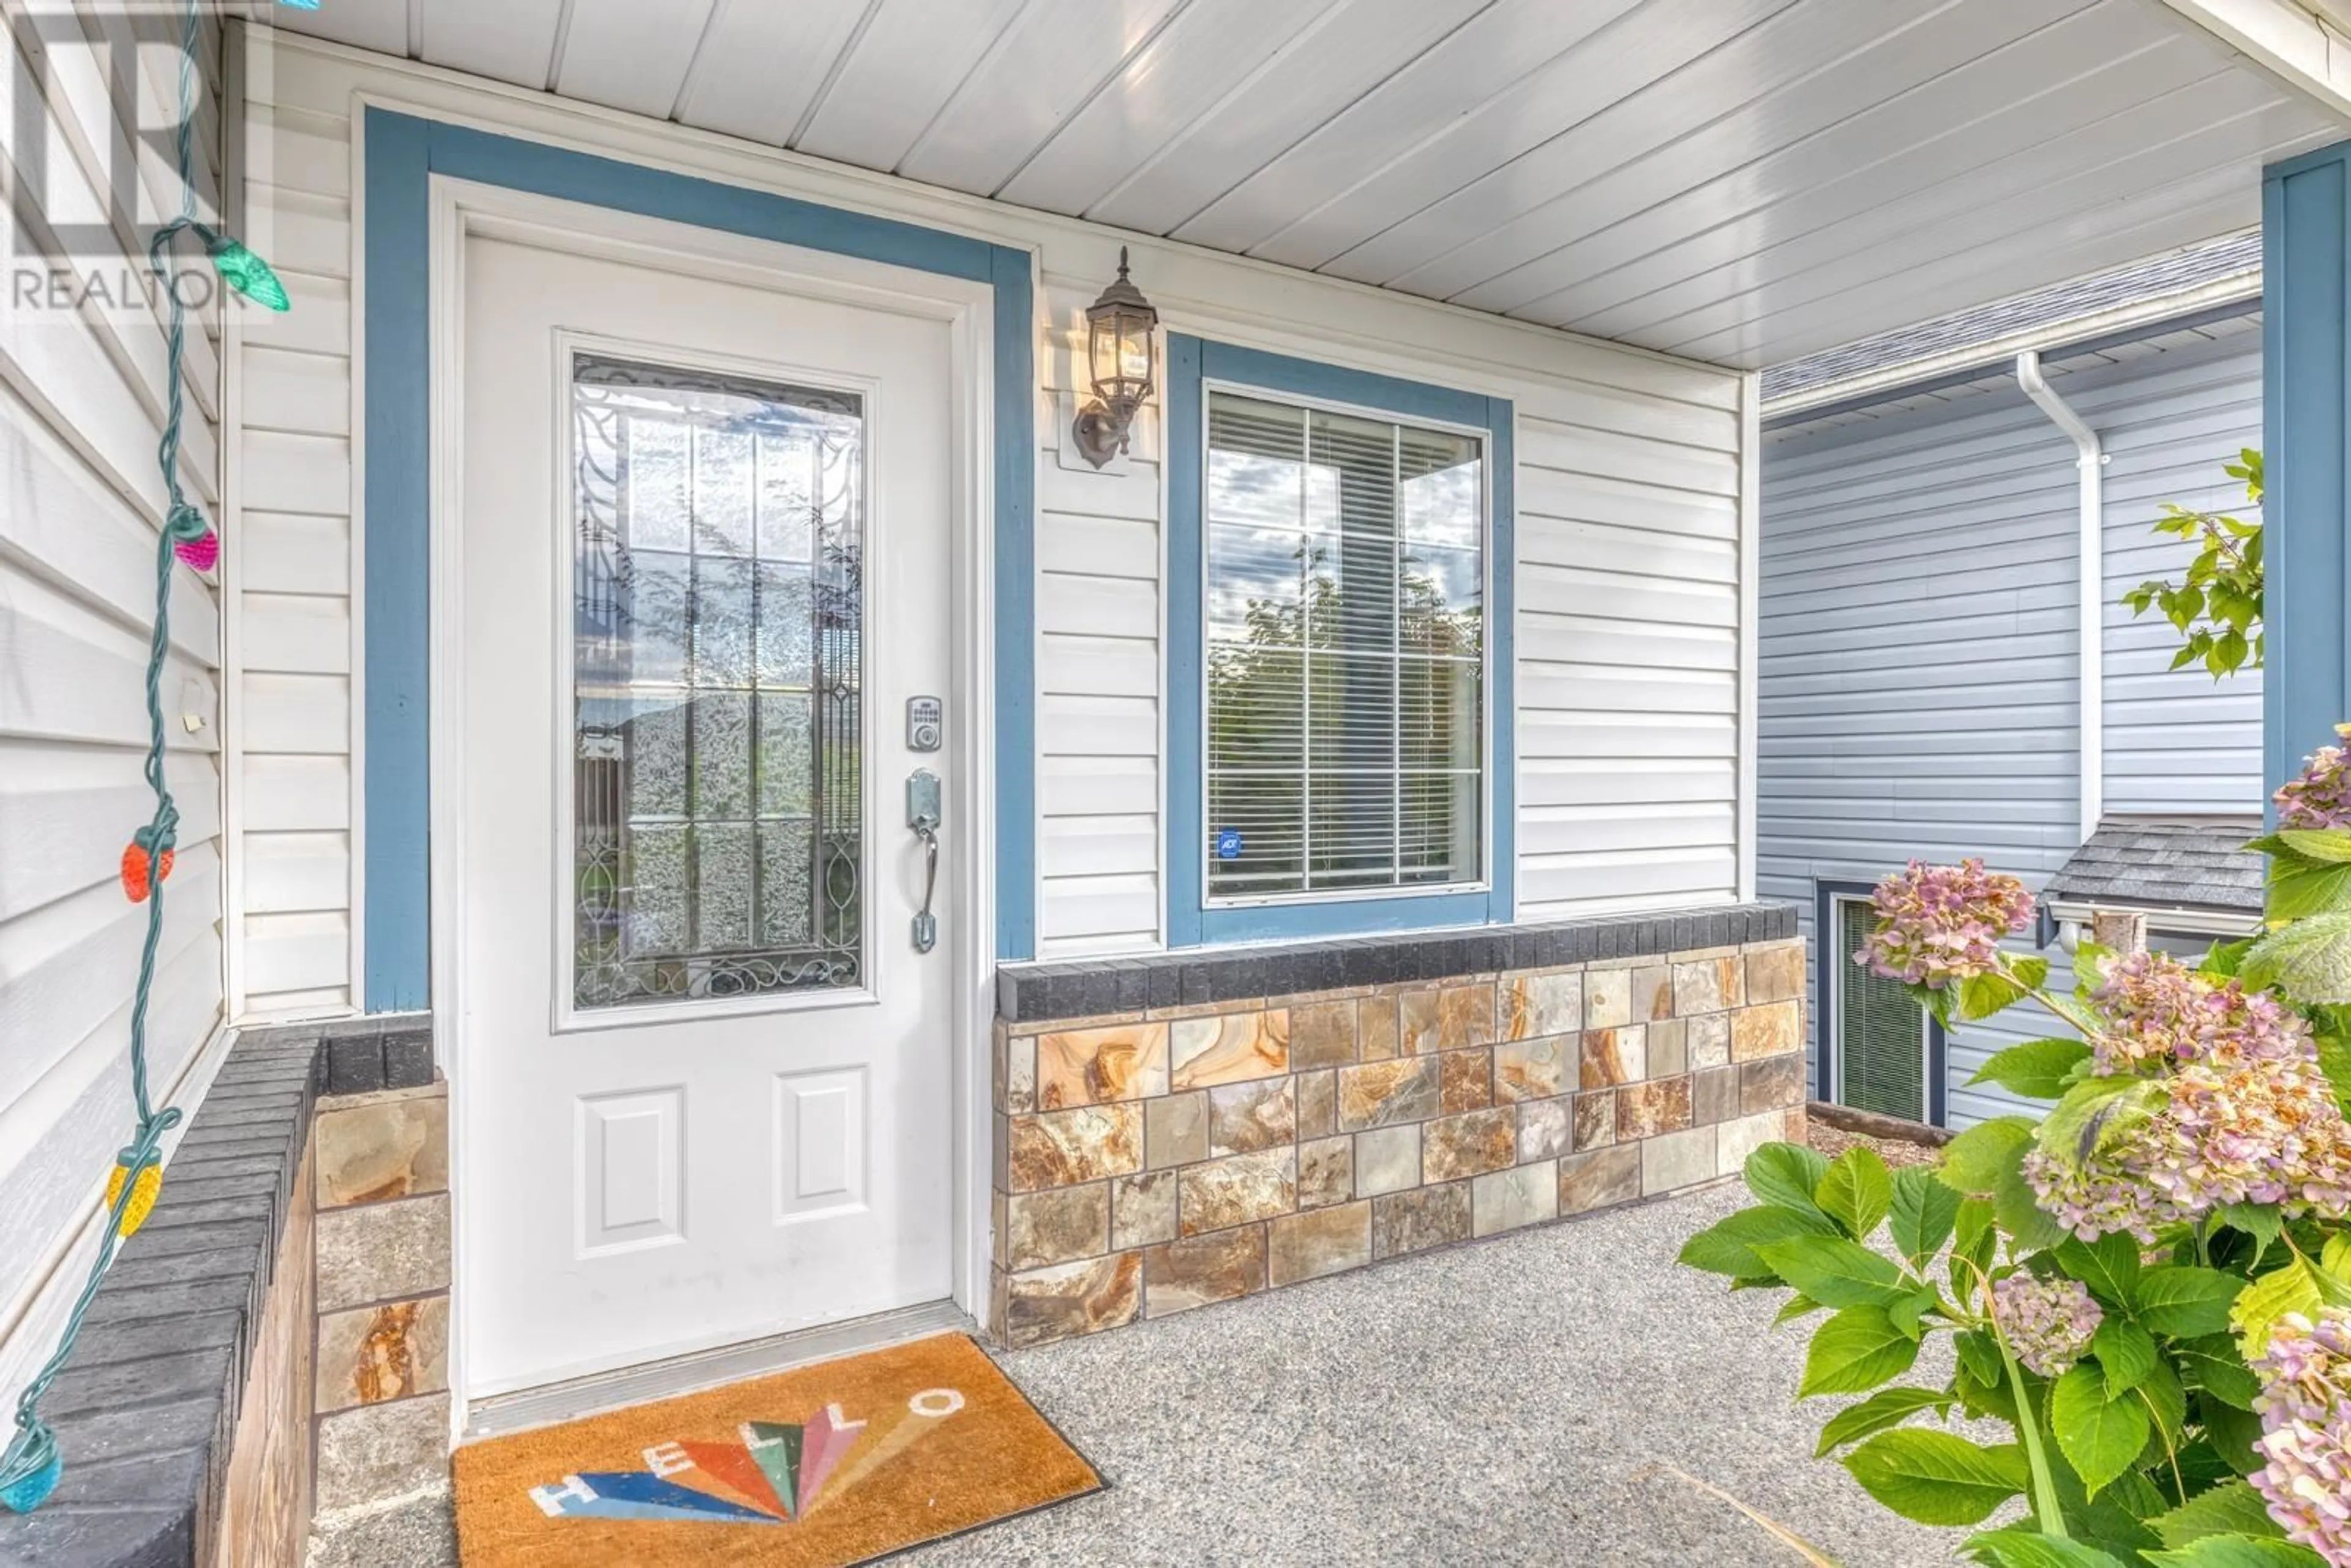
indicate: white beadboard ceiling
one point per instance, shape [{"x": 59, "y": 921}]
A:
[{"x": 1744, "y": 182}]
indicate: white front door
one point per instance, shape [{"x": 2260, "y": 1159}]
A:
[{"x": 704, "y": 1076}]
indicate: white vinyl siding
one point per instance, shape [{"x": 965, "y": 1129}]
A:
[
  {"x": 1627, "y": 525},
  {"x": 1919, "y": 671},
  {"x": 1628, "y": 657},
  {"x": 290, "y": 555},
  {"x": 82, "y": 400}
]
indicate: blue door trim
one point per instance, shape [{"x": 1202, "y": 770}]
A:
[
  {"x": 2306, "y": 442},
  {"x": 404, "y": 152},
  {"x": 1190, "y": 922}
]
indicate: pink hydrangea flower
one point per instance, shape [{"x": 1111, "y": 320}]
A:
[
  {"x": 2305, "y": 1410},
  {"x": 2321, "y": 797},
  {"x": 2157, "y": 1008},
  {"x": 2099, "y": 1197},
  {"x": 2248, "y": 1116},
  {"x": 2049, "y": 1323},
  {"x": 1940, "y": 925}
]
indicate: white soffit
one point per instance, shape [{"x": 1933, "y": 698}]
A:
[{"x": 1745, "y": 182}]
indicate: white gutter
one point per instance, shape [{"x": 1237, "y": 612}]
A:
[
  {"x": 1986, "y": 356},
  {"x": 2089, "y": 466},
  {"x": 2179, "y": 922}
]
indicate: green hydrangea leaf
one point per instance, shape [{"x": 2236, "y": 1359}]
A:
[
  {"x": 2126, "y": 1353},
  {"x": 2030, "y": 1229},
  {"x": 2109, "y": 1266},
  {"x": 2232, "y": 1508},
  {"x": 1835, "y": 1273},
  {"x": 2213, "y": 1364},
  {"x": 1975, "y": 1237},
  {"x": 1974, "y": 1162},
  {"x": 1785, "y": 1175},
  {"x": 2100, "y": 1435},
  {"x": 1728, "y": 1247},
  {"x": 2334, "y": 1060},
  {"x": 2238, "y": 1552},
  {"x": 2095, "y": 1115},
  {"x": 2314, "y": 843},
  {"x": 1978, "y": 1356},
  {"x": 1855, "y": 1352},
  {"x": 2310, "y": 960},
  {"x": 2300, "y": 889},
  {"x": 1907, "y": 1314},
  {"x": 1937, "y": 1477},
  {"x": 2261, "y": 1221},
  {"x": 1922, "y": 1214},
  {"x": 2292, "y": 1289},
  {"x": 2223, "y": 959},
  {"x": 1980, "y": 995},
  {"x": 2038, "y": 1068},
  {"x": 2162, "y": 1394},
  {"x": 1885, "y": 1408},
  {"x": 1798, "y": 1305},
  {"x": 2017, "y": 1547},
  {"x": 2233, "y": 1433},
  {"x": 2186, "y": 1301},
  {"x": 1855, "y": 1191}
]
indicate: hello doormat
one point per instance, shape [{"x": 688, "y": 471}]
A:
[{"x": 818, "y": 1467}]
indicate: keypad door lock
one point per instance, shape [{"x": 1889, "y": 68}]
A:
[{"x": 925, "y": 726}]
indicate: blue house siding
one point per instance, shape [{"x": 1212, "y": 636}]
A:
[
  {"x": 1918, "y": 676},
  {"x": 2175, "y": 740}
]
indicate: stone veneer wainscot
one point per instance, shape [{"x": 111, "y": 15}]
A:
[{"x": 1163, "y": 1157}]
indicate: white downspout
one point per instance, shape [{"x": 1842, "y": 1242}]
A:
[{"x": 2090, "y": 467}]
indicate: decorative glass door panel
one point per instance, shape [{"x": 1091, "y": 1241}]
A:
[{"x": 717, "y": 846}]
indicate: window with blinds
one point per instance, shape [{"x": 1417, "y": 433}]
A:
[
  {"x": 1345, "y": 584},
  {"x": 1881, "y": 1033}
]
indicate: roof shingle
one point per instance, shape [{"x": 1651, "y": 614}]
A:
[{"x": 2165, "y": 863}]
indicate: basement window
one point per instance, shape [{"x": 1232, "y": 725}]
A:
[{"x": 1881, "y": 1054}]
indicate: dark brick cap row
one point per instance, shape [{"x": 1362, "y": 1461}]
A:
[
  {"x": 146, "y": 1408},
  {"x": 1032, "y": 993},
  {"x": 389, "y": 1050}
]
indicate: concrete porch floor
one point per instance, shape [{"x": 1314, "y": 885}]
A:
[{"x": 1505, "y": 1402}]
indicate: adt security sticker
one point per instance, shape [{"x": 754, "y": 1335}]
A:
[{"x": 1229, "y": 844}]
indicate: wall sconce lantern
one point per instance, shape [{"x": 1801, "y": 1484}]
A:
[{"x": 1121, "y": 349}]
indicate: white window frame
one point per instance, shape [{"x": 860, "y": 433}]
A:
[{"x": 1484, "y": 882}]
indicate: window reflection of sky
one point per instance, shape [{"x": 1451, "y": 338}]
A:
[
  {"x": 1356, "y": 763},
  {"x": 1273, "y": 522}
]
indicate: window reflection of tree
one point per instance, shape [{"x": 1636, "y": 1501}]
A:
[{"x": 1389, "y": 646}]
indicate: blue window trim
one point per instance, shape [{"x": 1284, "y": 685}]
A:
[
  {"x": 403, "y": 152},
  {"x": 1191, "y": 923}
]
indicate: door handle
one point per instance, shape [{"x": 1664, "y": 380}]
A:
[{"x": 923, "y": 817}]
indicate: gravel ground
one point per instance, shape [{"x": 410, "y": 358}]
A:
[
  {"x": 1834, "y": 1141},
  {"x": 1509, "y": 1401}
]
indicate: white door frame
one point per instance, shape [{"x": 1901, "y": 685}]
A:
[{"x": 461, "y": 208}]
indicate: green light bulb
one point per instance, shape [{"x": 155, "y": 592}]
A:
[{"x": 246, "y": 273}]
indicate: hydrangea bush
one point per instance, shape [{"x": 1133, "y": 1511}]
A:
[{"x": 2148, "y": 1285}]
